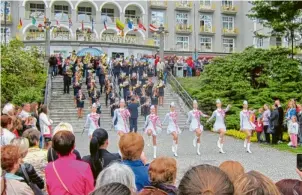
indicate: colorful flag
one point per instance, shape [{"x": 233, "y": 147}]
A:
[
  {"x": 120, "y": 25},
  {"x": 130, "y": 25},
  {"x": 92, "y": 27},
  {"x": 69, "y": 22},
  {"x": 20, "y": 24},
  {"x": 33, "y": 20},
  {"x": 105, "y": 23},
  {"x": 153, "y": 28},
  {"x": 82, "y": 25},
  {"x": 141, "y": 26}
]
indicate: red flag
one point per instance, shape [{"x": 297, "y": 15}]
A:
[
  {"x": 82, "y": 25},
  {"x": 153, "y": 28},
  {"x": 141, "y": 26}
]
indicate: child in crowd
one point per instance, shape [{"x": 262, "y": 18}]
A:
[
  {"x": 259, "y": 129},
  {"x": 293, "y": 130}
]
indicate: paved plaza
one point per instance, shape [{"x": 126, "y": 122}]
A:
[{"x": 275, "y": 164}]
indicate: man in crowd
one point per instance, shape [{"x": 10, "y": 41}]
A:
[
  {"x": 133, "y": 109},
  {"x": 279, "y": 130},
  {"x": 52, "y": 65},
  {"x": 67, "y": 75}
]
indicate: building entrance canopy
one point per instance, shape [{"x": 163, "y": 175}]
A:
[{"x": 92, "y": 51}]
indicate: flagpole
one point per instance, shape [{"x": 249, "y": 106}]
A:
[
  {"x": 5, "y": 16},
  {"x": 194, "y": 29}
]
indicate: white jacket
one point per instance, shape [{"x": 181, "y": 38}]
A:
[{"x": 45, "y": 122}]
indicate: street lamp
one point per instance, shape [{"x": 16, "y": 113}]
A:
[
  {"x": 47, "y": 28},
  {"x": 161, "y": 31}
]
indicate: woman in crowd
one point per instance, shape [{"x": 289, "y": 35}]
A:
[
  {"x": 34, "y": 113},
  {"x": 290, "y": 112},
  {"x": 10, "y": 163},
  {"x": 254, "y": 183},
  {"x": 131, "y": 146},
  {"x": 120, "y": 119},
  {"x": 23, "y": 145},
  {"x": 162, "y": 174},
  {"x": 99, "y": 157},
  {"x": 45, "y": 126},
  {"x": 205, "y": 179},
  {"x": 92, "y": 121},
  {"x": 289, "y": 186},
  {"x": 76, "y": 87},
  {"x": 219, "y": 125},
  {"x": 246, "y": 126},
  {"x": 117, "y": 172},
  {"x": 265, "y": 118},
  {"x": 161, "y": 92},
  {"x": 232, "y": 168},
  {"x": 5, "y": 131},
  {"x": 67, "y": 175},
  {"x": 154, "y": 99},
  {"x": 80, "y": 103},
  {"x": 112, "y": 189},
  {"x": 173, "y": 128},
  {"x": 195, "y": 126},
  {"x": 153, "y": 127}
]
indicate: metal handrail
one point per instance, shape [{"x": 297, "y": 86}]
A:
[{"x": 178, "y": 89}]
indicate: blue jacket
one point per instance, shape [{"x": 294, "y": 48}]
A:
[
  {"x": 141, "y": 173},
  {"x": 133, "y": 109}
]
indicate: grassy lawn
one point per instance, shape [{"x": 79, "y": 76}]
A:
[{"x": 285, "y": 147}]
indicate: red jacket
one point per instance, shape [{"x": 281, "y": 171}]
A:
[{"x": 190, "y": 62}]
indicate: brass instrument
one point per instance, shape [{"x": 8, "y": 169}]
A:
[
  {"x": 73, "y": 57},
  {"x": 87, "y": 58},
  {"x": 160, "y": 84}
]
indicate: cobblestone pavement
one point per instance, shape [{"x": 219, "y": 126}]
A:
[{"x": 275, "y": 164}]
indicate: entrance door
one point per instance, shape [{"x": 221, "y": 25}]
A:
[{"x": 117, "y": 55}]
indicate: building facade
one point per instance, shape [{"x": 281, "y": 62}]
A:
[{"x": 203, "y": 26}]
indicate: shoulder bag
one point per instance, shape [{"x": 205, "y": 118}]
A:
[
  {"x": 59, "y": 178},
  {"x": 33, "y": 186}
]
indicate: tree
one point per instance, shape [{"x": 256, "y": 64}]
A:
[
  {"x": 280, "y": 16},
  {"x": 255, "y": 75},
  {"x": 23, "y": 75}
]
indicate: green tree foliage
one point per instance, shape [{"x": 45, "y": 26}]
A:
[
  {"x": 256, "y": 75},
  {"x": 23, "y": 75}
]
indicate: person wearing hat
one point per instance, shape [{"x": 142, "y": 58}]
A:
[
  {"x": 173, "y": 128},
  {"x": 67, "y": 75},
  {"x": 195, "y": 126},
  {"x": 120, "y": 119},
  {"x": 80, "y": 103},
  {"x": 246, "y": 125},
  {"x": 161, "y": 92},
  {"x": 152, "y": 128},
  {"x": 219, "y": 125},
  {"x": 92, "y": 121}
]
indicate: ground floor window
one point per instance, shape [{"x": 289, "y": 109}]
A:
[
  {"x": 206, "y": 44},
  {"x": 228, "y": 45},
  {"x": 182, "y": 43}
]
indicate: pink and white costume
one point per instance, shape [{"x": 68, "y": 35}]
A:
[
  {"x": 172, "y": 125},
  {"x": 122, "y": 116},
  {"x": 194, "y": 118},
  {"x": 153, "y": 123}
]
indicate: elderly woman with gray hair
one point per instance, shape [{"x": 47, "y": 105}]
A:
[{"x": 119, "y": 173}]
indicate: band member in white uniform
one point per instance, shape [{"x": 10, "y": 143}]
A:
[
  {"x": 219, "y": 125},
  {"x": 246, "y": 125},
  {"x": 153, "y": 128},
  {"x": 120, "y": 119},
  {"x": 195, "y": 126},
  {"x": 92, "y": 121},
  {"x": 173, "y": 127}
]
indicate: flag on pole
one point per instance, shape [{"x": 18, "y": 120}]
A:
[
  {"x": 141, "y": 26},
  {"x": 105, "y": 23},
  {"x": 120, "y": 25},
  {"x": 69, "y": 22},
  {"x": 20, "y": 24},
  {"x": 92, "y": 27},
  {"x": 33, "y": 20},
  {"x": 82, "y": 25},
  {"x": 153, "y": 28},
  {"x": 130, "y": 25}
]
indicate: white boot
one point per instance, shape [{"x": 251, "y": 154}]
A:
[
  {"x": 175, "y": 150},
  {"x": 195, "y": 141},
  {"x": 154, "y": 152},
  {"x": 218, "y": 143},
  {"x": 173, "y": 146},
  {"x": 149, "y": 140},
  {"x": 245, "y": 143},
  {"x": 221, "y": 149},
  {"x": 248, "y": 148},
  {"x": 198, "y": 148}
]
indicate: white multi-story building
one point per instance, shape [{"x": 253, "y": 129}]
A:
[{"x": 205, "y": 26}]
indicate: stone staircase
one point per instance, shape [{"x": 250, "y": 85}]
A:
[{"x": 62, "y": 108}]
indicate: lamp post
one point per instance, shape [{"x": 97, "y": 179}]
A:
[
  {"x": 47, "y": 28},
  {"x": 161, "y": 31},
  {"x": 5, "y": 16}
]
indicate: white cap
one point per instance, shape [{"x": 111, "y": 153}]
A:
[
  {"x": 244, "y": 102},
  {"x": 218, "y": 101},
  {"x": 122, "y": 100},
  {"x": 172, "y": 104},
  {"x": 63, "y": 127},
  {"x": 94, "y": 105},
  {"x": 152, "y": 107},
  {"x": 7, "y": 108},
  {"x": 194, "y": 102}
]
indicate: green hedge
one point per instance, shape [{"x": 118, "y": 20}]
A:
[{"x": 23, "y": 75}]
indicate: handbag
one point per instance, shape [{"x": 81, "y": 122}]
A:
[
  {"x": 33, "y": 186},
  {"x": 58, "y": 176}
]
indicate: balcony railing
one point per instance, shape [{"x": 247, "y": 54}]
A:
[
  {"x": 126, "y": 40},
  {"x": 229, "y": 9},
  {"x": 64, "y": 36},
  {"x": 184, "y": 6},
  {"x": 62, "y": 17},
  {"x": 36, "y": 15},
  {"x": 230, "y": 32},
  {"x": 157, "y": 4},
  {"x": 85, "y": 18},
  {"x": 80, "y": 36},
  {"x": 207, "y": 30},
  {"x": 184, "y": 28},
  {"x": 207, "y": 8},
  {"x": 35, "y": 36},
  {"x": 135, "y": 19}
]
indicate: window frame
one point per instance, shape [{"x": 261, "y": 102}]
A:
[
  {"x": 37, "y": 10},
  {"x": 228, "y": 22},
  {"x": 203, "y": 43},
  {"x": 208, "y": 20},
  {"x": 155, "y": 15},
  {"x": 203, "y": 3},
  {"x": 227, "y": 3},
  {"x": 183, "y": 43},
  {"x": 181, "y": 19},
  {"x": 228, "y": 44}
]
